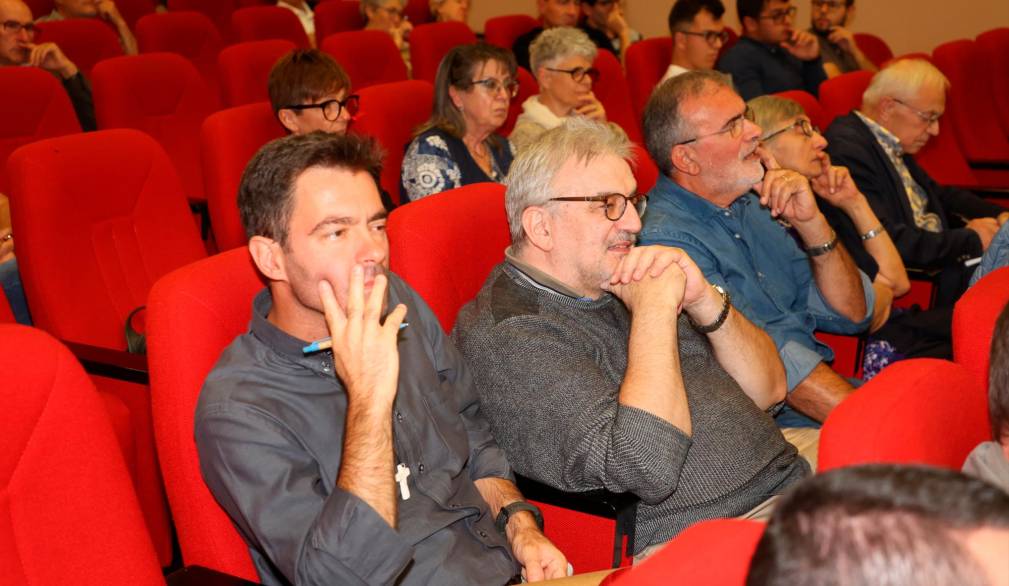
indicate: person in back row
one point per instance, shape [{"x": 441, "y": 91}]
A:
[
  {"x": 102, "y": 9},
  {"x": 838, "y": 48},
  {"x": 698, "y": 35},
  {"x": 458, "y": 146}
]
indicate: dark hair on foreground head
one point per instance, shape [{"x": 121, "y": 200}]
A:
[
  {"x": 751, "y": 8},
  {"x": 879, "y": 525},
  {"x": 266, "y": 194},
  {"x": 683, "y": 12},
  {"x": 304, "y": 76},
  {"x": 998, "y": 379}
]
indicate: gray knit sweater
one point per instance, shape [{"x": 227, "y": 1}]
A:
[{"x": 548, "y": 368}]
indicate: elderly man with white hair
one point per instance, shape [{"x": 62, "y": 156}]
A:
[{"x": 934, "y": 227}]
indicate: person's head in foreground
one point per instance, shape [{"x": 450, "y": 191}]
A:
[
  {"x": 907, "y": 97},
  {"x": 885, "y": 525},
  {"x": 998, "y": 381},
  {"x": 789, "y": 135},
  {"x": 697, "y": 32},
  {"x": 309, "y": 91},
  {"x": 311, "y": 209},
  {"x": 561, "y": 60}
]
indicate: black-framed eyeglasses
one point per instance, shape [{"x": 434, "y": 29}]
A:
[
  {"x": 14, "y": 27},
  {"x": 802, "y": 125},
  {"x": 579, "y": 73},
  {"x": 493, "y": 86},
  {"x": 712, "y": 37},
  {"x": 929, "y": 118},
  {"x": 733, "y": 127},
  {"x": 615, "y": 204},
  {"x": 779, "y": 16},
  {"x": 331, "y": 109}
]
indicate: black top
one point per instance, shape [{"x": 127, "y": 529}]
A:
[
  {"x": 760, "y": 68},
  {"x": 79, "y": 91}
]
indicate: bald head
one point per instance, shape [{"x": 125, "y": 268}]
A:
[{"x": 14, "y": 44}]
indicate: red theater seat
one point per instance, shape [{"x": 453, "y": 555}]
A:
[
  {"x": 611, "y": 90},
  {"x": 842, "y": 94},
  {"x": 245, "y": 70},
  {"x": 193, "y": 314},
  {"x": 6, "y": 313},
  {"x": 133, "y": 10},
  {"x": 85, "y": 41},
  {"x": 190, "y": 34},
  {"x": 263, "y": 23},
  {"x": 218, "y": 11},
  {"x": 646, "y": 62},
  {"x": 809, "y": 105},
  {"x": 974, "y": 318},
  {"x": 337, "y": 16},
  {"x": 368, "y": 57},
  {"x": 503, "y": 30},
  {"x": 527, "y": 88},
  {"x": 994, "y": 47},
  {"x": 430, "y": 42},
  {"x": 228, "y": 141},
  {"x": 70, "y": 513},
  {"x": 875, "y": 48}
]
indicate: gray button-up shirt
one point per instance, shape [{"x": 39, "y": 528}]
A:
[{"x": 269, "y": 430}]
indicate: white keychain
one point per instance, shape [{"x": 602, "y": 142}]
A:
[{"x": 402, "y": 473}]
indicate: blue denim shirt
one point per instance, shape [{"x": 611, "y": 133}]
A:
[{"x": 757, "y": 259}]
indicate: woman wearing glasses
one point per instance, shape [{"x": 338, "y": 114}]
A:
[
  {"x": 561, "y": 59},
  {"x": 458, "y": 145},
  {"x": 894, "y": 333},
  {"x": 388, "y": 16}
]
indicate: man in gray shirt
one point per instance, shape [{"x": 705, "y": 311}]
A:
[
  {"x": 605, "y": 365},
  {"x": 369, "y": 463}
]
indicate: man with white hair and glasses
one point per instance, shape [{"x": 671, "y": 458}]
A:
[{"x": 934, "y": 227}]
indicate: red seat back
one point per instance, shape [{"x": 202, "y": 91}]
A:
[
  {"x": 263, "y": 23},
  {"x": 715, "y": 553},
  {"x": 163, "y": 95},
  {"x": 424, "y": 239},
  {"x": 922, "y": 410},
  {"x": 190, "y": 34},
  {"x": 228, "y": 141},
  {"x": 219, "y": 11},
  {"x": 430, "y": 42},
  {"x": 391, "y": 112},
  {"x": 133, "y": 10},
  {"x": 503, "y": 30},
  {"x": 6, "y": 312},
  {"x": 970, "y": 109},
  {"x": 418, "y": 11},
  {"x": 245, "y": 70},
  {"x": 100, "y": 216},
  {"x": 194, "y": 313},
  {"x": 809, "y": 105},
  {"x": 612, "y": 92},
  {"x": 943, "y": 160},
  {"x": 847, "y": 353},
  {"x": 646, "y": 173},
  {"x": 974, "y": 318},
  {"x": 875, "y": 48},
  {"x": 40, "y": 8},
  {"x": 369, "y": 57},
  {"x": 337, "y": 16},
  {"x": 646, "y": 62},
  {"x": 85, "y": 41},
  {"x": 70, "y": 513},
  {"x": 527, "y": 88},
  {"x": 994, "y": 46},
  {"x": 35, "y": 106},
  {"x": 842, "y": 94}
]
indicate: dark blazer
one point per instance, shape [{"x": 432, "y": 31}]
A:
[{"x": 850, "y": 143}]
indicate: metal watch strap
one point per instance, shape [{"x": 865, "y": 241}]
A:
[
  {"x": 872, "y": 233},
  {"x": 726, "y": 304},
  {"x": 518, "y": 506},
  {"x": 823, "y": 249}
]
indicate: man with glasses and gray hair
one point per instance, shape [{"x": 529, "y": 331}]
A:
[
  {"x": 934, "y": 227},
  {"x": 603, "y": 365},
  {"x": 772, "y": 55},
  {"x": 698, "y": 35},
  {"x": 754, "y": 229}
]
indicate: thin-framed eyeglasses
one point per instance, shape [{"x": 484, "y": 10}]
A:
[
  {"x": 712, "y": 37},
  {"x": 578, "y": 73},
  {"x": 733, "y": 127},
  {"x": 493, "y": 86},
  {"x": 392, "y": 11},
  {"x": 331, "y": 109},
  {"x": 779, "y": 16},
  {"x": 828, "y": 4},
  {"x": 14, "y": 27},
  {"x": 615, "y": 204},
  {"x": 802, "y": 125},
  {"x": 929, "y": 118}
]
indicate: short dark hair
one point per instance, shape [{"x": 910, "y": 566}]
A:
[
  {"x": 877, "y": 524},
  {"x": 303, "y": 76},
  {"x": 266, "y": 194},
  {"x": 456, "y": 70},
  {"x": 683, "y": 12},
  {"x": 751, "y": 8},
  {"x": 998, "y": 378}
]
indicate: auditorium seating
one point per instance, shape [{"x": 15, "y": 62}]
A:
[
  {"x": 245, "y": 70},
  {"x": 391, "y": 112},
  {"x": 263, "y": 23},
  {"x": 40, "y": 8},
  {"x": 646, "y": 62},
  {"x": 974, "y": 318},
  {"x": 430, "y": 42},
  {"x": 337, "y": 16},
  {"x": 38, "y": 108},
  {"x": 921, "y": 410},
  {"x": 133, "y": 10},
  {"x": 219, "y": 11},
  {"x": 190, "y": 34},
  {"x": 417, "y": 11},
  {"x": 873, "y": 47},
  {"x": 368, "y": 57},
  {"x": 6, "y": 313},
  {"x": 527, "y": 88},
  {"x": 503, "y": 30},
  {"x": 70, "y": 513},
  {"x": 85, "y": 41},
  {"x": 228, "y": 141},
  {"x": 994, "y": 49},
  {"x": 840, "y": 95},
  {"x": 193, "y": 314},
  {"x": 611, "y": 91},
  {"x": 810, "y": 106}
]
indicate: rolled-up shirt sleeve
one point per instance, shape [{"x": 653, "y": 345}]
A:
[
  {"x": 829, "y": 320},
  {"x": 272, "y": 489}
]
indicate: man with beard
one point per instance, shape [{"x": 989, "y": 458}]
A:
[{"x": 838, "y": 49}]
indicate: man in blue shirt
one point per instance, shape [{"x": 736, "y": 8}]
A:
[
  {"x": 772, "y": 56},
  {"x": 758, "y": 234}
]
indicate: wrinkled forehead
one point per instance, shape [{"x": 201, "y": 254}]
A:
[{"x": 712, "y": 108}]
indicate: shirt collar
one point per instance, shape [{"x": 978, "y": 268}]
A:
[
  {"x": 541, "y": 279},
  {"x": 696, "y": 206},
  {"x": 883, "y": 136},
  {"x": 277, "y": 339}
]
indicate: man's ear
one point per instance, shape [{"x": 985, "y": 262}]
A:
[
  {"x": 289, "y": 119},
  {"x": 683, "y": 160},
  {"x": 749, "y": 25},
  {"x": 269, "y": 257},
  {"x": 679, "y": 40},
  {"x": 538, "y": 226}
]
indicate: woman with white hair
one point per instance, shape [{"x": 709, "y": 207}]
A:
[{"x": 561, "y": 59}]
